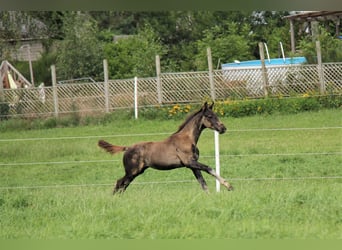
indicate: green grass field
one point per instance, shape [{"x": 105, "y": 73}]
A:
[{"x": 56, "y": 183}]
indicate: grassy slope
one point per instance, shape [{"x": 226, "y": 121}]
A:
[{"x": 309, "y": 208}]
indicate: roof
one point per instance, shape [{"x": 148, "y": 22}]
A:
[{"x": 316, "y": 15}]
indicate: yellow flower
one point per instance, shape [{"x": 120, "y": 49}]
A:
[{"x": 176, "y": 107}]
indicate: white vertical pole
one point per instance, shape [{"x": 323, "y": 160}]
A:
[
  {"x": 136, "y": 97},
  {"x": 282, "y": 51},
  {"x": 268, "y": 55},
  {"x": 211, "y": 75},
  {"x": 54, "y": 89},
  {"x": 217, "y": 159},
  {"x": 159, "y": 89},
  {"x": 106, "y": 84}
]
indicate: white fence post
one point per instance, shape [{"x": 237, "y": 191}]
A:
[
  {"x": 136, "y": 97},
  {"x": 217, "y": 158},
  {"x": 159, "y": 88},
  {"x": 211, "y": 75},
  {"x": 54, "y": 89},
  {"x": 106, "y": 85}
]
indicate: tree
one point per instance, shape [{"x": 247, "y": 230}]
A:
[
  {"x": 53, "y": 21},
  {"x": 227, "y": 43},
  {"x": 80, "y": 54},
  {"x": 181, "y": 30},
  {"x": 331, "y": 47},
  {"x": 134, "y": 55},
  {"x": 270, "y": 27}
]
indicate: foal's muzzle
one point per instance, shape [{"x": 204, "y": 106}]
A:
[{"x": 221, "y": 129}]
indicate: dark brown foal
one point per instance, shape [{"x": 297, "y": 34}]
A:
[{"x": 178, "y": 150}]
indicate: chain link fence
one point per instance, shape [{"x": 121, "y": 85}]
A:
[{"x": 170, "y": 88}]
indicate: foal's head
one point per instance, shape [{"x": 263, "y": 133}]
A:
[{"x": 210, "y": 119}]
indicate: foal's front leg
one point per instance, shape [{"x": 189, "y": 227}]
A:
[
  {"x": 200, "y": 179},
  {"x": 199, "y": 166}
]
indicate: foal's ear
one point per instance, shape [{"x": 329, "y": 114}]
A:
[
  {"x": 205, "y": 106},
  {"x": 211, "y": 106}
]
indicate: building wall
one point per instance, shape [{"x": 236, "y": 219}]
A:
[{"x": 19, "y": 52}]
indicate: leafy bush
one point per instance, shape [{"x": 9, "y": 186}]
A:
[
  {"x": 4, "y": 109},
  {"x": 134, "y": 55},
  {"x": 330, "y": 46},
  {"x": 227, "y": 43},
  {"x": 80, "y": 54}
]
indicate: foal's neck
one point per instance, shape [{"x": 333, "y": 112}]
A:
[{"x": 193, "y": 128}]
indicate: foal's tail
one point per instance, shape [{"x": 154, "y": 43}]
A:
[{"x": 111, "y": 148}]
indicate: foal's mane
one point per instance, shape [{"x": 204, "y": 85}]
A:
[{"x": 187, "y": 120}]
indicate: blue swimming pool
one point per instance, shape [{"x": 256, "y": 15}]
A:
[{"x": 271, "y": 62}]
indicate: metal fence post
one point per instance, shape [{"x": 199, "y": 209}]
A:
[
  {"x": 320, "y": 68},
  {"x": 211, "y": 75},
  {"x": 54, "y": 89},
  {"x": 263, "y": 69},
  {"x": 159, "y": 88},
  {"x": 106, "y": 85}
]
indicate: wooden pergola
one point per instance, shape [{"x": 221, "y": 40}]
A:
[{"x": 313, "y": 17}]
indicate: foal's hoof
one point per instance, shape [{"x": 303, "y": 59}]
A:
[
  {"x": 228, "y": 186},
  {"x": 118, "y": 191}
]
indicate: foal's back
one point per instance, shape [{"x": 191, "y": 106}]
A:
[{"x": 162, "y": 155}]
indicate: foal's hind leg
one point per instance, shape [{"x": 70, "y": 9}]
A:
[
  {"x": 200, "y": 179},
  {"x": 123, "y": 183},
  {"x": 133, "y": 168}
]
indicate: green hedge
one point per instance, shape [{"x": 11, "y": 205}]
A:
[
  {"x": 226, "y": 108},
  {"x": 240, "y": 108},
  {"x": 277, "y": 105}
]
